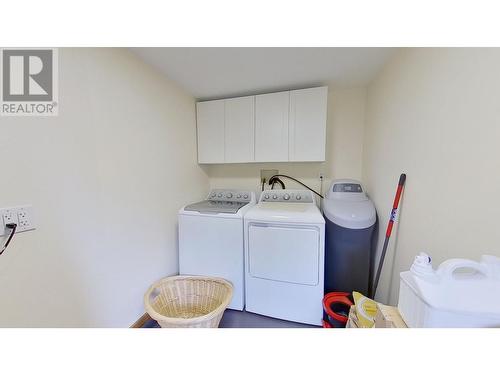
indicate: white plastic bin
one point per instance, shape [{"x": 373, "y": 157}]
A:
[{"x": 460, "y": 293}]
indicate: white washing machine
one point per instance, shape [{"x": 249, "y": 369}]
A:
[
  {"x": 211, "y": 238},
  {"x": 284, "y": 256}
]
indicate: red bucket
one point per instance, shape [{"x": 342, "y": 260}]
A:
[{"x": 336, "y": 306}]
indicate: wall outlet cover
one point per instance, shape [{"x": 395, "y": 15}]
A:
[
  {"x": 267, "y": 174},
  {"x": 25, "y": 218},
  {"x": 21, "y": 215},
  {"x": 9, "y": 216}
]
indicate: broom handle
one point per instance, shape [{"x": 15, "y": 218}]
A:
[{"x": 401, "y": 183}]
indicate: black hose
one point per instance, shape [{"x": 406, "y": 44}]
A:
[
  {"x": 277, "y": 180},
  {"x": 293, "y": 179}
]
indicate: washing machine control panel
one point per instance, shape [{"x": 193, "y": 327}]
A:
[
  {"x": 224, "y": 195},
  {"x": 287, "y": 196}
]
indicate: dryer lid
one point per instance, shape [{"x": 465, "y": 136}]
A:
[{"x": 286, "y": 213}]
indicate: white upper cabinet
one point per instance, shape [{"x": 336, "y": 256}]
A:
[
  {"x": 210, "y": 129},
  {"x": 307, "y": 125},
  {"x": 278, "y": 127},
  {"x": 239, "y": 129},
  {"x": 271, "y": 127}
]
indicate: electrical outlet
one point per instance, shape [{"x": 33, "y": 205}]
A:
[
  {"x": 22, "y": 216},
  {"x": 266, "y": 174},
  {"x": 7, "y": 216},
  {"x": 25, "y": 219}
]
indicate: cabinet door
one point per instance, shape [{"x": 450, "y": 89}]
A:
[
  {"x": 307, "y": 129},
  {"x": 210, "y": 126},
  {"x": 240, "y": 130},
  {"x": 271, "y": 126}
]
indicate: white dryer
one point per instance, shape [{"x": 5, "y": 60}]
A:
[
  {"x": 211, "y": 238},
  {"x": 284, "y": 256}
]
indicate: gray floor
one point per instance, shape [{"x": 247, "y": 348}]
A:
[{"x": 243, "y": 319}]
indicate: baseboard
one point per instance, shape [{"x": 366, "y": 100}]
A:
[{"x": 141, "y": 321}]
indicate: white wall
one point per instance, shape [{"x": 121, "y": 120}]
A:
[
  {"x": 435, "y": 114},
  {"x": 345, "y": 124},
  {"x": 106, "y": 178}
]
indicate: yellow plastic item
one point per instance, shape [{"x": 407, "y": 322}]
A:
[{"x": 366, "y": 310}]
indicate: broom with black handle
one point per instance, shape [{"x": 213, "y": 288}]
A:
[{"x": 388, "y": 232}]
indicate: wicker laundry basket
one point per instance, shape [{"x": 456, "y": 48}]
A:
[{"x": 188, "y": 301}]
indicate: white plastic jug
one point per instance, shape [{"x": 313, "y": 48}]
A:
[{"x": 460, "y": 293}]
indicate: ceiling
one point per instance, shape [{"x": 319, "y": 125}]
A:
[{"x": 210, "y": 73}]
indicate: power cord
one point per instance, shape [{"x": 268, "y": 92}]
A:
[
  {"x": 272, "y": 182},
  {"x": 321, "y": 191},
  {"x": 12, "y": 227}
]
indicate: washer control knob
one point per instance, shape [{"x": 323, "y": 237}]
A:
[
  {"x": 275, "y": 196},
  {"x": 245, "y": 196},
  {"x": 266, "y": 196},
  {"x": 229, "y": 195},
  {"x": 286, "y": 196},
  {"x": 238, "y": 196},
  {"x": 219, "y": 195},
  {"x": 298, "y": 197}
]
